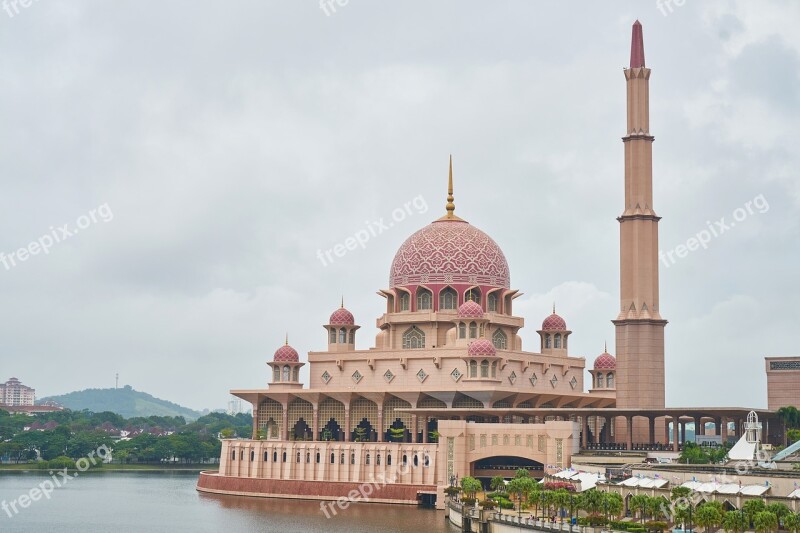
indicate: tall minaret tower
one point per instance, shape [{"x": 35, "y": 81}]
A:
[{"x": 639, "y": 326}]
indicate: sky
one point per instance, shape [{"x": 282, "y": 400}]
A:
[{"x": 174, "y": 170}]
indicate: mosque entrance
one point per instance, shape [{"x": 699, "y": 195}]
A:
[{"x": 506, "y": 466}]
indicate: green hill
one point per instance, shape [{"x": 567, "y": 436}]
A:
[{"x": 126, "y": 402}]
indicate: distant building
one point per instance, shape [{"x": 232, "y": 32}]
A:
[
  {"x": 783, "y": 381},
  {"x": 14, "y": 393}
]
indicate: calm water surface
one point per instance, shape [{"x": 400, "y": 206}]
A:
[{"x": 145, "y": 501}]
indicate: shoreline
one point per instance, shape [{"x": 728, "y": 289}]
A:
[{"x": 27, "y": 468}]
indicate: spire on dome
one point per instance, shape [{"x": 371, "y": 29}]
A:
[
  {"x": 287, "y": 339},
  {"x": 450, "y": 206},
  {"x": 637, "y": 46},
  {"x": 342, "y": 301},
  {"x": 605, "y": 346}
]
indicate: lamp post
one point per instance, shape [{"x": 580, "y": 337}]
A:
[
  {"x": 542, "y": 506},
  {"x": 571, "y": 510}
]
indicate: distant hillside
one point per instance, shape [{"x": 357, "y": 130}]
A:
[{"x": 126, "y": 402}]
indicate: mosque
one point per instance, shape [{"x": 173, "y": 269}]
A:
[{"x": 448, "y": 391}]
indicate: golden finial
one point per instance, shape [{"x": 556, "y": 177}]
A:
[
  {"x": 287, "y": 338},
  {"x": 605, "y": 347},
  {"x": 450, "y": 206},
  {"x": 554, "y": 308},
  {"x": 342, "y": 301}
]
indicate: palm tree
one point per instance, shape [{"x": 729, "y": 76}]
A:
[
  {"x": 612, "y": 504},
  {"x": 708, "y": 516},
  {"x": 765, "y": 522},
  {"x": 752, "y": 508},
  {"x": 561, "y": 500},
  {"x": 592, "y": 501},
  {"x": 732, "y": 522},
  {"x": 497, "y": 483},
  {"x": 779, "y": 510},
  {"x": 657, "y": 507},
  {"x": 792, "y": 522},
  {"x": 639, "y": 502}
]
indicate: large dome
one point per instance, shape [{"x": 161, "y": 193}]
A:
[{"x": 450, "y": 251}]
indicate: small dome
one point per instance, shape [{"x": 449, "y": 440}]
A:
[
  {"x": 481, "y": 348},
  {"x": 286, "y": 354},
  {"x": 605, "y": 361},
  {"x": 470, "y": 309},
  {"x": 554, "y": 323},
  {"x": 342, "y": 317}
]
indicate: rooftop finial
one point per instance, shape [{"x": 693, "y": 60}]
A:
[
  {"x": 605, "y": 346},
  {"x": 342, "y": 301},
  {"x": 554, "y": 308},
  {"x": 637, "y": 46},
  {"x": 451, "y": 207},
  {"x": 287, "y": 338}
]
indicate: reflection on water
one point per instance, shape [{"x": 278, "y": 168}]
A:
[{"x": 130, "y": 501}]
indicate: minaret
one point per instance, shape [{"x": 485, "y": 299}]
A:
[{"x": 639, "y": 326}]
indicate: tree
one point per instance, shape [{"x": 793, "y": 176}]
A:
[
  {"x": 497, "y": 483},
  {"x": 561, "y": 501},
  {"x": 470, "y": 486},
  {"x": 680, "y": 492},
  {"x": 612, "y": 504},
  {"x": 790, "y": 416},
  {"x": 752, "y": 508},
  {"x": 765, "y": 522},
  {"x": 708, "y": 517},
  {"x": 639, "y": 502},
  {"x": 792, "y": 522},
  {"x": 733, "y": 522},
  {"x": 779, "y": 510},
  {"x": 592, "y": 501}
]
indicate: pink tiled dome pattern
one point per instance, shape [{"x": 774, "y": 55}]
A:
[
  {"x": 481, "y": 348},
  {"x": 286, "y": 354},
  {"x": 470, "y": 309},
  {"x": 554, "y": 323},
  {"x": 450, "y": 251},
  {"x": 342, "y": 317},
  {"x": 605, "y": 361}
]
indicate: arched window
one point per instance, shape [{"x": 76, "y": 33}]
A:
[
  {"x": 233, "y": 455},
  {"x": 378, "y": 459},
  {"x": 473, "y": 369},
  {"x": 424, "y": 299},
  {"x": 484, "y": 368},
  {"x": 367, "y": 460},
  {"x": 388, "y": 459},
  {"x": 352, "y": 336},
  {"x": 599, "y": 381},
  {"x": 547, "y": 340},
  {"x": 318, "y": 457},
  {"x": 296, "y": 374},
  {"x": 276, "y": 373},
  {"x": 352, "y": 458},
  {"x": 491, "y": 302},
  {"x": 413, "y": 338},
  {"x": 332, "y": 340},
  {"x": 448, "y": 299},
  {"x": 499, "y": 339},
  {"x": 494, "y": 369},
  {"x": 284, "y": 457},
  {"x": 333, "y": 458},
  {"x": 610, "y": 380},
  {"x": 286, "y": 373},
  {"x": 405, "y": 301},
  {"x": 308, "y": 457},
  {"x": 462, "y": 330},
  {"x": 274, "y": 457},
  {"x": 298, "y": 458},
  {"x": 473, "y": 330},
  {"x": 557, "y": 341},
  {"x": 266, "y": 456},
  {"x": 342, "y": 336},
  {"x": 341, "y": 461},
  {"x": 473, "y": 294}
]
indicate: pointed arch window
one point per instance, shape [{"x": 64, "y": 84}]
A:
[
  {"x": 610, "y": 380},
  {"x": 491, "y": 303},
  {"x": 332, "y": 340},
  {"x": 484, "y": 368},
  {"x": 462, "y": 330},
  {"x": 547, "y": 340},
  {"x": 473, "y": 369},
  {"x": 448, "y": 299},
  {"x": 557, "y": 341},
  {"x": 499, "y": 339},
  {"x": 286, "y": 373},
  {"x": 413, "y": 338},
  {"x": 342, "y": 336},
  {"x": 424, "y": 299},
  {"x": 276, "y": 374},
  {"x": 405, "y": 301},
  {"x": 600, "y": 381},
  {"x": 473, "y": 330},
  {"x": 473, "y": 294},
  {"x": 352, "y": 336}
]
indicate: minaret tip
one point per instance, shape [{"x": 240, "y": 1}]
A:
[
  {"x": 554, "y": 308},
  {"x": 287, "y": 338},
  {"x": 342, "y": 301},
  {"x": 450, "y": 207},
  {"x": 637, "y": 46}
]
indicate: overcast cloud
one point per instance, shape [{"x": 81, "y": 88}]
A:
[{"x": 232, "y": 140}]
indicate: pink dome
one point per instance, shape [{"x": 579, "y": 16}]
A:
[
  {"x": 481, "y": 348},
  {"x": 470, "y": 309},
  {"x": 554, "y": 323},
  {"x": 605, "y": 361},
  {"x": 342, "y": 317},
  {"x": 286, "y": 354},
  {"x": 450, "y": 251}
]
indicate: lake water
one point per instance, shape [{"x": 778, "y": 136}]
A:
[{"x": 167, "y": 502}]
